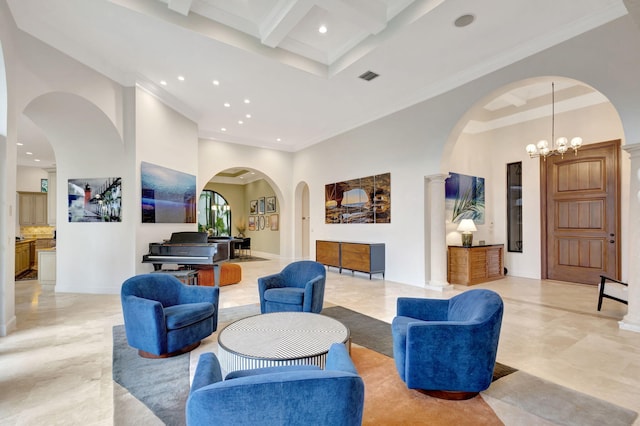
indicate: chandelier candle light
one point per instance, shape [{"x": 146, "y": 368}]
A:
[
  {"x": 562, "y": 144},
  {"x": 467, "y": 227}
]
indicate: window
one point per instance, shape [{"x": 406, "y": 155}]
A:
[
  {"x": 514, "y": 207},
  {"x": 214, "y": 214}
]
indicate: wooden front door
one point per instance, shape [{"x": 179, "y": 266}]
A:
[{"x": 582, "y": 197}]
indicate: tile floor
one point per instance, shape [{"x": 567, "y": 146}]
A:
[{"x": 55, "y": 369}]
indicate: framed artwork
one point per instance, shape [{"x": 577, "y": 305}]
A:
[
  {"x": 44, "y": 185},
  {"x": 362, "y": 200},
  {"x": 252, "y": 223},
  {"x": 168, "y": 196},
  {"x": 95, "y": 199},
  {"x": 273, "y": 222},
  {"x": 253, "y": 207},
  {"x": 261, "y": 222},
  {"x": 464, "y": 198},
  {"x": 261, "y": 205},
  {"x": 271, "y": 205}
]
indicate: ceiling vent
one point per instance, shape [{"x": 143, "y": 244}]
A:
[{"x": 369, "y": 75}]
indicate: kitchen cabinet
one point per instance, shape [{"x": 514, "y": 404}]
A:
[
  {"x": 25, "y": 254},
  {"x": 32, "y": 208},
  {"x": 476, "y": 264}
]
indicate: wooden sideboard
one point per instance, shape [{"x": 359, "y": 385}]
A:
[
  {"x": 476, "y": 264},
  {"x": 361, "y": 257}
]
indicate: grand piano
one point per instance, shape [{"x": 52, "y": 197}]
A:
[{"x": 188, "y": 249}]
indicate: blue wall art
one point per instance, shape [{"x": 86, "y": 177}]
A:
[
  {"x": 168, "y": 196},
  {"x": 464, "y": 198}
]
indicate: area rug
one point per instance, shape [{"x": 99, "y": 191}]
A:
[
  {"x": 247, "y": 259},
  {"x": 162, "y": 390},
  {"x": 162, "y": 385},
  {"x": 31, "y": 274}
]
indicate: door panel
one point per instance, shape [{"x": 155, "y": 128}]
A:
[{"x": 582, "y": 214}]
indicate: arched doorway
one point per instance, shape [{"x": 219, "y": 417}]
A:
[
  {"x": 214, "y": 214},
  {"x": 496, "y": 131},
  {"x": 248, "y": 204}
]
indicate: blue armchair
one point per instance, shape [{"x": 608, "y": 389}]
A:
[
  {"x": 448, "y": 347},
  {"x": 290, "y": 395},
  {"x": 299, "y": 287},
  {"x": 163, "y": 317}
]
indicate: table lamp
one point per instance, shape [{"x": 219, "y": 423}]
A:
[{"x": 467, "y": 227}]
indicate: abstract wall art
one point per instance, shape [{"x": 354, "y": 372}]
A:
[
  {"x": 464, "y": 198},
  {"x": 168, "y": 196}
]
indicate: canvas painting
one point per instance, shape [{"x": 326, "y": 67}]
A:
[
  {"x": 168, "y": 196},
  {"x": 362, "y": 200},
  {"x": 464, "y": 198},
  {"x": 95, "y": 200}
]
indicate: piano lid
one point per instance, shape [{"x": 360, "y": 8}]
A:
[{"x": 188, "y": 238}]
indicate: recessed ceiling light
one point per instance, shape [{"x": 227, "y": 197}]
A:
[
  {"x": 278, "y": 139},
  {"x": 464, "y": 20},
  {"x": 223, "y": 129},
  {"x": 19, "y": 144},
  {"x": 216, "y": 83},
  {"x": 322, "y": 29},
  {"x": 247, "y": 101},
  {"x": 240, "y": 122},
  {"x": 227, "y": 104},
  {"x": 29, "y": 153},
  {"x": 181, "y": 78},
  {"x": 248, "y": 115},
  {"x": 163, "y": 82},
  {"x": 36, "y": 159}
]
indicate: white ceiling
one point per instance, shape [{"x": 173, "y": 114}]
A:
[{"x": 302, "y": 86}]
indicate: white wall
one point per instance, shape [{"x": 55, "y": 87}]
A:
[
  {"x": 28, "y": 179},
  {"x": 164, "y": 138}
]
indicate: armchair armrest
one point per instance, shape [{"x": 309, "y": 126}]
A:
[
  {"x": 265, "y": 283},
  {"x": 207, "y": 372},
  {"x": 423, "y": 309},
  {"x": 144, "y": 318},
  {"x": 313, "y": 288},
  {"x": 338, "y": 359},
  {"x": 271, "y": 281}
]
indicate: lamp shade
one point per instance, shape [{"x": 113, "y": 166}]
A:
[{"x": 467, "y": 225}]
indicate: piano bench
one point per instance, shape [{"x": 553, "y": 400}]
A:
[
  {"x": 230, "y": 273},
  {"x": 186, "y": 276}
]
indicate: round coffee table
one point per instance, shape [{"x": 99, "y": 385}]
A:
[{"x": 279, "y": 338}]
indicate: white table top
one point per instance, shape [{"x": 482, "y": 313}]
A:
[{"x": 282, "y": 335}]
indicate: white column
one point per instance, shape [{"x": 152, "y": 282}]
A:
[
  {"x": 631, "y": 321},
  {"x": 437, "y": 235}
]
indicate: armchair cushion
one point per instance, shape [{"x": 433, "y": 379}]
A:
[
  {"x": 291, "y": 395},
  {"x": 178, "y": 316}
]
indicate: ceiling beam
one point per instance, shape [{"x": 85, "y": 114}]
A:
[
  {"x": 284, "y": 17},
  {"x": 180, "y": 6},
  {"x": 370, "y": 15}
]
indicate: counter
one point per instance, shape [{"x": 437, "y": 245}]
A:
[{"x": 47, "y": 266}]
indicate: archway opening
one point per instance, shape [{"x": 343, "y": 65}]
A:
[{"x": 495, "y": 132}]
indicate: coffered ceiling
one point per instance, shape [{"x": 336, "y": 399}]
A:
[{"x": 259, "y": 72}]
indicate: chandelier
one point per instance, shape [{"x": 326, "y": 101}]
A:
[{"x": 562, "y": 144}]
